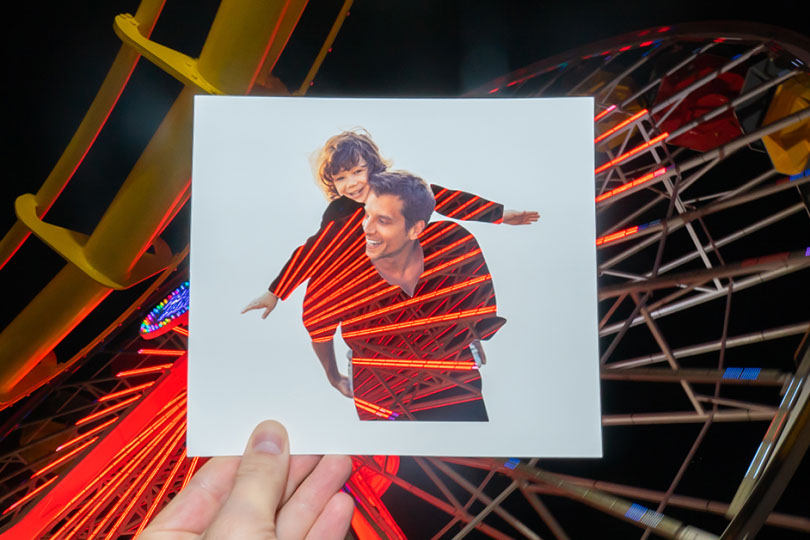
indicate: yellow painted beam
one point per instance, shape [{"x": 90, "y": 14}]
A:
[
  {"x": 105, "y": 100},
  {"x": 238, "y": 44}
]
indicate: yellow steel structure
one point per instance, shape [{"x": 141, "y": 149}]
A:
[
  {"x": 93, "y": 121},
  {"x": 245, "y": 38},
  {"x": 789, "y": 148}
]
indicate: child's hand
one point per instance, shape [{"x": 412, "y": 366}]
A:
[
  {"x": 267, "y": 302},
  {"x": 515, "y": 217}
]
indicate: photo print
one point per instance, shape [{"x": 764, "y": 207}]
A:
[{"x": 405, "y": 276}]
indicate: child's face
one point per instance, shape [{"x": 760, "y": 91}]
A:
[{"x": 353, "y": 182}]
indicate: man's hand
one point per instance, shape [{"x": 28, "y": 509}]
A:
[
  {"x": 515, "y": 217},
  {"x": 264, "y": 494},
  {"x": 342, "y": 384},
  {"x": 267, "y": 302}
]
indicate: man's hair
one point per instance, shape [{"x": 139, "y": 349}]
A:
[
  {"x": 416, "y": 196},
  {"x": 344, "y": 151}
]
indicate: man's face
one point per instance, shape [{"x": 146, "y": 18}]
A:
[
  {"x": 384, "y": 226},
  {"x": 353, "y": 182}
]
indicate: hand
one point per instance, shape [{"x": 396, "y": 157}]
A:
[
  {"x": 342, "y": 384},
  {"x": 267, "y": 302},
  {"x": 264, "y": 494},
  {"x": 515, "y": 217}
]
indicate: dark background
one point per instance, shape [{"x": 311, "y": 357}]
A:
[{"x": 57, "y": 54}]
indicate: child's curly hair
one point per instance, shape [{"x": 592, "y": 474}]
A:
[{"x": 344, "y": 151}]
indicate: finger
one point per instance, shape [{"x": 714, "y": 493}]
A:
[
  {"x": 334, "y": 521},
  {"x": 250, "y": 306},
  {"x": 299, "y": 514},
  {"x": 258, "y": 487},
  {"x": 300, "y": 468},
  {"x": 266, "y": 313},
  {"x": 194, "y": 508}
]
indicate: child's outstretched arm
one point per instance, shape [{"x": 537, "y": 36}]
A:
[{"x": 465, "y": 206}]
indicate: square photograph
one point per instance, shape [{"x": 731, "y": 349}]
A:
[{"x": 394, "y": 276}]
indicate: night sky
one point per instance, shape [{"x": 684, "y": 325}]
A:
[{"x": 57, "y": 56}]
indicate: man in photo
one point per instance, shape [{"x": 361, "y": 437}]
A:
[{"x": 413, "y": 310}]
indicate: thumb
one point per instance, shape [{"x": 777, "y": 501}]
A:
[{"x": 250, "y": 511}]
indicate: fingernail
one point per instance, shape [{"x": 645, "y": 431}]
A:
[{"x": 268, "y": 443}]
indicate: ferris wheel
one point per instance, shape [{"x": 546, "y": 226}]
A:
[{"x": 702, "y": 201}]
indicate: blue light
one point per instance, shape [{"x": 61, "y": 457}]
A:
[
  {"x": 801, "y": 175},
  {"x": 651, "y": 518},
  {"x": 732, "y": 373},
  {"x": 735, "y": 57},
  {"x": 511, "y": 463},
  {"x": 750, "y": 374}
]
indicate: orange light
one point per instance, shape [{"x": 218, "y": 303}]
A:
[
  {"x": 108, "y": 410},
  {"x": 463, "y": 206},
  {"x": 631, "y": 153},
  {"x": 331, "y": 248},
  {"x": 314, "y": 247},
  {"x": 161, "y": 352},
  {"x": 476, "y": 212},
  {"x": 56, "y": 463},
  {"x": 415, "y": 364},
  {"x": 156, "y": 464},
  {"x": 417, "y": 409},
  {"x": 630, "y": 184},
  {"x": 452, "y": 262},
  {"x": 87, "y": 434},
  {"x": 604, "y": 113},
  {"x": 125, "y": 391},
  {"x": 180, "y": 330},
  {"x": 619, "y": 126},
  {"x": 373, "y": 409},
  {"x": 29, "y": 496},
  {"x": 416, "y": 299},
  {"x": 283, "y": 281},
  {"x": 141, "y": 371},
  {"x": 616, "y": 235},
  {"x": 450, "y": 198},
  {"x": 156, "y": 501},
  {"x": 420, "y": 322},
  {"x": 190, "y": 472},
  {"x": 123, "y": 453}
]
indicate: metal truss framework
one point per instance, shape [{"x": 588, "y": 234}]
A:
[{"x": 642, "y": 177}]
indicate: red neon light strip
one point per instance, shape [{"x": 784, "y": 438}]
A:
[
  {"x": 331, "y": 248},
  {"x": 339, "y": 292},
  {"x": 110, "y": 487},
  {"x": 310, "y": 251},
  {"x": 191, "y": 470},
  {"x": 604, "y": 113},
  {"x": 631, "y": 184},
  {"x": 374, "y": 409},
  {"x": 87, "y": 434},
  {"x": 314, "y": 284},
  {"x": 125, "y": 391},
  {"x": 356, "y": 252},
  {"x": 180, "y": 330},
  {"x": 452, "y": 262},
  {"x": 152, "y": 466},
  {"x": 476, "y": 212},
  {"x": 29, "y": 496},
  {"x": 444, "y": 228},
  {"x": 162, "y": 493},
  {"x": 64, "y": 458},
  {"x": 631, "y": 153},
  {"x": 463, "y": 206},
  {"x": 108, "y": 410},
  {"x": 417, "y": 299},
  {"x": 474, "y": 398},
  {"x": 141, "y": 371},
  {"x": 162, "y": 352},
  {"x": 338, "y": 309},
  {"x": 450, "y": 198},
  {"x": 415, "y": 364},
  {"x": 103, "y": 495},
  {"x": 619, "y": 126},
  {"x": 419, "y": 322},
  {"x": 282, "y": 281},
  {"x": 448, "y": 247},
  {"x": 616, "y": 235}
]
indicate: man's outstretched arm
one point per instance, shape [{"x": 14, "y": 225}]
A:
[{"x": 326, "y": 354}]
